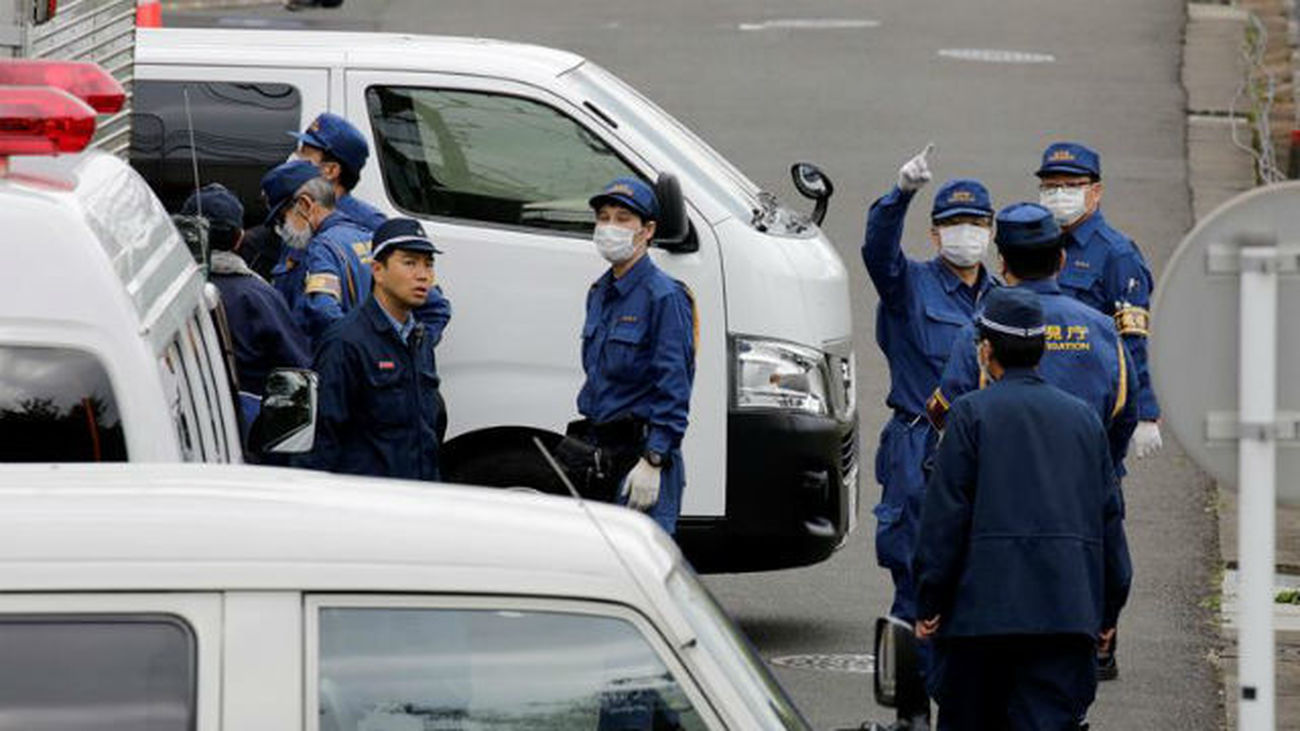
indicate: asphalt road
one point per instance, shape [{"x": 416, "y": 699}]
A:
[{"x": 859, "y": 98}]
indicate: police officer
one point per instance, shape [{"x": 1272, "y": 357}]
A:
[
  {"x": 1022, "y": 563},
  {"x": 1084, "y": 355},
  {"x": 638, "y": 353},
  {"x": 323, "y": 272},
  {"x": 923, "y": 304},
  {"x": 379, "y": 404},
  {"x": 339, "y": 151},
  {"x": 262, "y": 330},
  {"x": 1103, "y": 268}
]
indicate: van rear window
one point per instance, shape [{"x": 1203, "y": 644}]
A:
[{"x": 57, "y": 405}]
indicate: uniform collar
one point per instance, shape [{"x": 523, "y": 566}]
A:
[
  {"x": 633, "y": 277},
  {"x": 403, "y": 329},
  {"x": 1041, "y": 286},
  {"x": 335, "y": 218},
  {"x": 951, "y": 282},
  {"x": 1021, "y": 374},
  {"x": 1083, "y": 233},
  {"x": 379, "y": 318}
]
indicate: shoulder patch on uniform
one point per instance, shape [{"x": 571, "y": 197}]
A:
[
  {"x": 362, "y": 249},
  {"x": 324, "y": 284}
]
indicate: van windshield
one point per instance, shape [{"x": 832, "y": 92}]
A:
[{"x": 690, "y": 156}]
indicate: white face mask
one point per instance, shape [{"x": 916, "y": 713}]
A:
[
  {"x": 615, "y": 243},
  {"x": 1066, "y": 204},
  {"x": 293, "y": 238},
  {"x": 964, "y": 244}
]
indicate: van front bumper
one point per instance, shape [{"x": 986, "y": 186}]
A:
[{"x": 792, "y": 494}]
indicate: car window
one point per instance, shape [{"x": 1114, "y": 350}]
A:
[
  {"x": 488, "y": 157},
  {"x": 414, "y": 668},
  {"x": 239, "y": 133},
  {"x": 100, "y": 672},
  {"x": 57, "y": 405}
]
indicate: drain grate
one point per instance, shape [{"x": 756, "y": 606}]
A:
[
  {"x": 835, "y": 663},
  {"x": 992, "y": 55}
]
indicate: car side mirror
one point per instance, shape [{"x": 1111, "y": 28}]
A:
[
  {"x": 813, "y": 184},
  {"x": 673, "y": 231},
  {"x": 287, "y": 421},
  {"x": 897, "y": 679}
]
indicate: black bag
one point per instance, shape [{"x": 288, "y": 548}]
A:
[{"x": 597, "y": 466}]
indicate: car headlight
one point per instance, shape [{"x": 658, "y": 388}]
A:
[{"x": 776, "y": 375}]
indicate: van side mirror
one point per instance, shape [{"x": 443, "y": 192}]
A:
[
  {"x": 673, "y": 231},
  {"x": 287, "y": 421},
  {"x": 897, "y": 679},
  {"x": 813, "y": 184}
]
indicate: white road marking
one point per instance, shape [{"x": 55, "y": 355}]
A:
[
  {"x": 810, "y": 24},
  {"x": 993, "y": 55}
]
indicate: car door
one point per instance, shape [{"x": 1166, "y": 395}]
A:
[
  {"x": 111, "y": 662},
  {"x": 501, "y": 173},
  {"x": 491, "y": 662}
]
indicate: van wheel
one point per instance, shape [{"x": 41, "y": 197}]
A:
[{"x": 511, "y": 460}]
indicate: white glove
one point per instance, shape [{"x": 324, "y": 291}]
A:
[
  {"x": 915, "y": 173},
  {"x": 1146, "y": 439},
  {"x": 642, "y": 486}
]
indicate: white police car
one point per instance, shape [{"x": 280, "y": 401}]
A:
[
  {"x": 197, "y": 598},
  {"x": 108, "y": 351}
]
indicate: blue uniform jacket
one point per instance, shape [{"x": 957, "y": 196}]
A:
[
  {"x": 922, "y": 306},
  {"x": 262, "y": 331},
  {"x": 1022, "y": 531},
  {"x": 435, "y": 313},
  {"x": 362, "y": 213},
  {"x": 638, "y": 352},
  {"x": 1105, "y": 270},
  {"x": 379, "y": 405},
  {"x": 1084, "y": 357},
  {"x": 329, "y": 278}
]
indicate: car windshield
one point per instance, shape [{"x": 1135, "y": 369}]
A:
[
  {"x": 723, "y": 641},
  {"x": 691, "y": 157}
]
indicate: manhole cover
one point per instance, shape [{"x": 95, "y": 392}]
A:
[
  {"x": 809, "y": 24},
  {"x": 991, "y": 55},
  {"x": 864, "y": 664}
]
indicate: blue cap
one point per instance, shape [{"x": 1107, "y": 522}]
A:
[
  {"x": 401, "y": 233},
  {"x": 338, "y": 137},
  {"x": 1026, "y": 226},
  {"x": 1013, "y": 311},
  {"x": 219, "y": 205},
  {"x": 282, "y": 182},
  {"x": 1071, "y": 158},
  {"x": 961, "y": 197},
  {"x": 631, "y": 193}
]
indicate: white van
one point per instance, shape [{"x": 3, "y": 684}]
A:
[
  {"x": 497, "y": 146},
  {"x": 107, "y": 348},
  {"x": 198, "y": 598}
]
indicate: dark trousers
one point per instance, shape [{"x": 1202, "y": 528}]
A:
[{"x": 1020, "y": 683}]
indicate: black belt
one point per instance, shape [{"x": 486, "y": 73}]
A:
[
  {"x": 907, "y": 417},
  {"x": 625, "y": 431}
]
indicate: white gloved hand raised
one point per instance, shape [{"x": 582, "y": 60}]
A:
[
  {"x": 642, "y": 486},
  {"x": 915, "y": 173},
  {"x": 1146, "y": 439}
]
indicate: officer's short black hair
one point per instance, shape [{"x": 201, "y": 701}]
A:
[
  {"x": 348, "y": 177},
  {"x": 1013, "y": 351},
  {"x": 1032, "y": 262},
  {"x": 222, "y": 237}
]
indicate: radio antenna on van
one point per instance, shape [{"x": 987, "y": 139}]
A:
[{"x": 194, "y": 229}]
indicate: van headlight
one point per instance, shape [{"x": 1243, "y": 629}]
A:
[{"x": 777, "y": 375}]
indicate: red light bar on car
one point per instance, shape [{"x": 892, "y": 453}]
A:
[
  {"x": 82, "y": 79},
  {"x": 39, "y": 120}
]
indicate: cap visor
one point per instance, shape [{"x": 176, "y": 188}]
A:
[
  {"x": 954, "y": 212},
  {"x": 1070, "y": 169},
  {"x": 274, "y": 213},
  {"x": 619, "y": 200},
  {"x": 308, "y": 138}
]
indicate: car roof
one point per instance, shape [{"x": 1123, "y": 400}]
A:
[
  {"x": 447, "y": 54},
  {"x": 87, "y": 223},
  {"x": 143, "y": 527}
]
